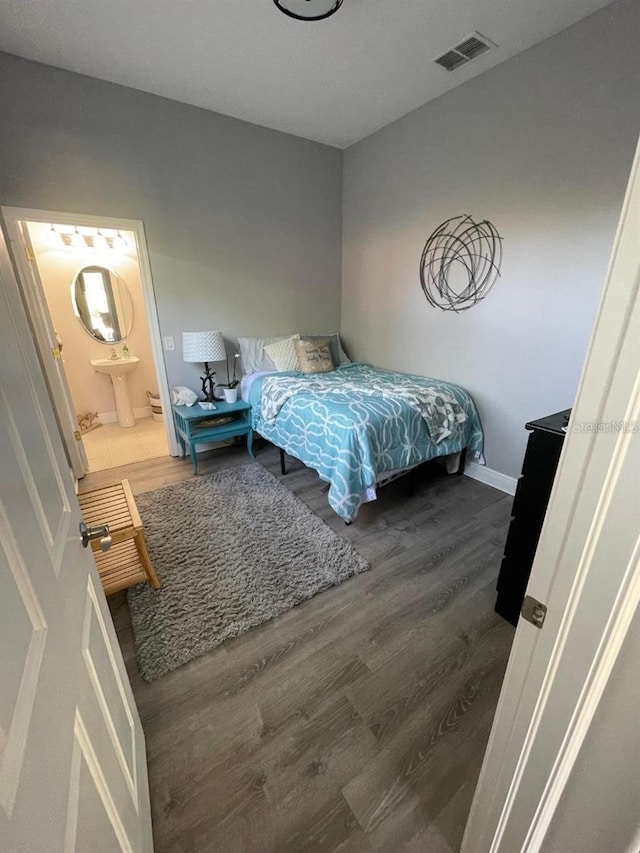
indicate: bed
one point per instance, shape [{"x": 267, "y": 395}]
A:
[{"x": 360, "y": 425}]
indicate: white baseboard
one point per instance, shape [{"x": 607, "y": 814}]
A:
[
  {"x": 112, "y": 417},
  {"x": 491, "y": 477}
]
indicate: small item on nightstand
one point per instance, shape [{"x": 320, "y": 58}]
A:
[
  {"x": 218, "y": 393},
  {"x": 208, "y": 407},
  {"x": 183, "y": 396},
  {"x": 204, "y": 347}
]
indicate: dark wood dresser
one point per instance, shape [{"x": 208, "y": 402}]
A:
[{"x": 529, "y": 507}]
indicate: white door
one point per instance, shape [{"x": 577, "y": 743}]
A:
[
  {"x": 586, "y": 570},
  {"x": 51, "y": 357},
  {"x": 72, "y": 756}
]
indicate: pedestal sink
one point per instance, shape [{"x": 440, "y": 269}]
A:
[{"x": 118, "y": 369}]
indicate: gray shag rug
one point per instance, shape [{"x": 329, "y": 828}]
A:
[{"x": 233, "y": 550}]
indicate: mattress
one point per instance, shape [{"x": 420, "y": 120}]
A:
[{"x": 360, "y": 424}]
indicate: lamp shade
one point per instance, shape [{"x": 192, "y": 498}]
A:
[{"x": 203, "y": 346}]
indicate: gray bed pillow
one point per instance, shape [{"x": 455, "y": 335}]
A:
[{"x": 252, "y": 353}]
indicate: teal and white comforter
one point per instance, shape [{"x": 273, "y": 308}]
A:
[{"x": 359, "y": 422}]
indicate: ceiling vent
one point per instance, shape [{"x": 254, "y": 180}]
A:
[{"x": 468, "y": 49}]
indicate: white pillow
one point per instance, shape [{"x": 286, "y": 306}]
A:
[
  {"x": 253, "y": 355},
  {"x": 283, "y": 353}
]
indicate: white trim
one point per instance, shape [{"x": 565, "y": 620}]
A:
[
  {"x": 112, "y": 417},
  {"x": 490, "y": 477},
  {"x": 610, "y": 647},
  {"x": 613, "y": 636},
  {"x": 35, "y": 303},
  {"x": 23, "y": 214},
  {"x": 156, "y": 338}
]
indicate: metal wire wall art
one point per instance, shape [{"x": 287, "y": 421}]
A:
[{"x": 460, "y": 263}]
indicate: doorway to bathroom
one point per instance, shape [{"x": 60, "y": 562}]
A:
[{"x": 88, "y": 291}]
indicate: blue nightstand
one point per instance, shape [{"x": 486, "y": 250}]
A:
[{"x": 196, "y": 426}]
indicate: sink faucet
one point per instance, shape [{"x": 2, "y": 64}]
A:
[{"x": 114, "y": 355}]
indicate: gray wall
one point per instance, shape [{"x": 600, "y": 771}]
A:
[
  {"x": 243, "y": 224},
  {"x": 542, "y": 146}
]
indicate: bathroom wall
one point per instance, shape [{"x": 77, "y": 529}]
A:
[{"x": 91, "y": 391}]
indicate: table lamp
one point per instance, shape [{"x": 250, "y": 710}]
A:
[{"x": 204, "y": 347}]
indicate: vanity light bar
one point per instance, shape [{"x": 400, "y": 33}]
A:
[{"x": 74, "y": 240}]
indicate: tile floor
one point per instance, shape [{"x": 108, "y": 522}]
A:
[{"x": 112, "y": 445}]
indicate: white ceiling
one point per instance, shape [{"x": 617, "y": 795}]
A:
[{"x": 334, "y": 81}]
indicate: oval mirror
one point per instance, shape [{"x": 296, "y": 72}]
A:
[{"x": 102, "y": 303}]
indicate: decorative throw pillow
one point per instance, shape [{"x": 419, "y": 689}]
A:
[
  {"x": 314, "y": 356},
  {"x": 283, "y": 354},
  {"x": 338, "y": 355},
  {"x": 252, "y": 353}
]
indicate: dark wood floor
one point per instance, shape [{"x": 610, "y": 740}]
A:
[{"x": 355, "y": 722}]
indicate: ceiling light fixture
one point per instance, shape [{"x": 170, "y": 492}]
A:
[
  {"x": 77, "y": 240},
  {"x": 54, "y": 239},
  {"x": 308, "y": 10},
  {"x": 100, "y": 241},
  {"x": 120, "y": 243}
]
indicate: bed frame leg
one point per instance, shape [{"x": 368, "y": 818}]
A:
[
  {"x": 283, "y": 466},
  {"x": 463, "y": 457},
  {"x": 411, "y": 483}
]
